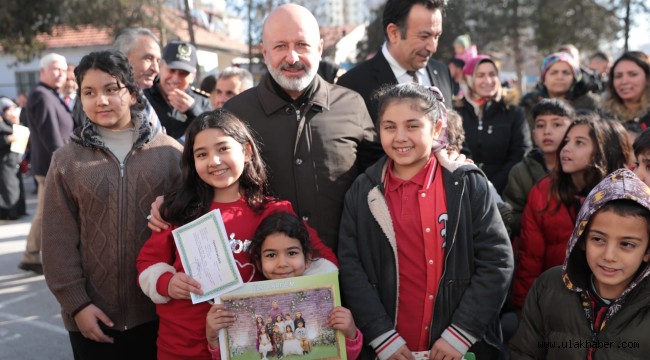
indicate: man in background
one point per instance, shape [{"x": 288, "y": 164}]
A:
[
  {"x": 456, "y": 66},
  {"x": 599, "y": 63},
  {"x": 141, "y": 47},
  {"x": 50, "y": 124},
  {"x": 230, "y": 82},
  {"x": 69, "y": 89},
  {"x": 173, "y": 98},
  {"x": 412, "y": 29}
]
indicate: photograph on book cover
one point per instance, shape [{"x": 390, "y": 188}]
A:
[{"x": 283, "y": 319}]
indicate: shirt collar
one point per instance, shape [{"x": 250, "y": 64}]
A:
[
  {"x": 393, "y": 182},
  {"x": 398, "y": 70},
  {"x": 271, "y": 101}
]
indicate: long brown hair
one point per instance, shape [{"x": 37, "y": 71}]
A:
[
  {"x": 612, "y": 102},
  {"x": 194, "y": 197},
  {"x": 562, "y": 186}
]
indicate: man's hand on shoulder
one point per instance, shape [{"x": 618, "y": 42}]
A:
[{"x": 156, "y": 222}]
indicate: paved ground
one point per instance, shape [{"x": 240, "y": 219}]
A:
[{"x": 30, "y": 321}]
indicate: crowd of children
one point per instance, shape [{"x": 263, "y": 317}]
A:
[
  {"x": 291, "y": 334},
  {"x": 414, "y": 223}
]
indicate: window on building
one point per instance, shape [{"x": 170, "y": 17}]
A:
[{"x": 26, "y": 81}]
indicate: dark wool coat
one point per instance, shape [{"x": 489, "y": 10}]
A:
[
  {"x": 478, "y": 259},
  {"x": 337, "y": 142},
  {"x": 50, "y": 125},
  {"x": 498, "y": 140}
]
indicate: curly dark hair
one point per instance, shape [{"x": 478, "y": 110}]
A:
[
  {"x": 279, "y": 223},
  {"x": 115, "y": 64}
]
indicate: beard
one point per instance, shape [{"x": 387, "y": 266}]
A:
[{"x": 293, "y": 84}]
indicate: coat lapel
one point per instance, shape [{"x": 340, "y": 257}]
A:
[
  {"x": 434, "y": 76},
  {"x": 382, "y": 71}
]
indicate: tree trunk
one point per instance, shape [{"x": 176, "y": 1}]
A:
[
  {"x": 190, "y": 23},
  {"x": 250, "y": 35},
  {"x": 516, "y": 44},
  {"x": 627, "y": 24},
  {"x": 190, "y": 28},
  {"x": 161, "y": 27}
]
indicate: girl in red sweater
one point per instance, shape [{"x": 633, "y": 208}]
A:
[{"x": 222, "y": 169}]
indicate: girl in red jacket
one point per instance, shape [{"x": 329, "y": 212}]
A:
[
  {"x": 222, "y": 169},
  {"x": 589, "y": 151}
]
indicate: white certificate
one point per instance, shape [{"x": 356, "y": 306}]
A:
[
  {"x": 21, "y": 136},
  {"x": 206, "y": 256}
]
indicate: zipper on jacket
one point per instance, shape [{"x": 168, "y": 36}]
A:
[
  {"x": 121, "y": 221},
  {"x": 122, "y": 212},
  {"x": 120, "y": 238},
  {"x": 298, "y": 110}
]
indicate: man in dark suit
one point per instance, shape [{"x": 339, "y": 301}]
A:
[
  {"x": 50, "y": 123},
  {"x": 412, "y": 29}
]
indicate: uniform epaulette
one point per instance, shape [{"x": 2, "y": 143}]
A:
[{"x": 200, "y": 92}]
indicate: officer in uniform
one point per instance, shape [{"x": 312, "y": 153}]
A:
[{"x": 173, "y": 98}]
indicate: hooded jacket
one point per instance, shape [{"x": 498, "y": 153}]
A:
[
  {"x": 478, "y": 258},
  {"x": 94, "y": 221},
  {"x": 555, "y": 325}
]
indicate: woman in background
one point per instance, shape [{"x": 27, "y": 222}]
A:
[
  {"x": 627, "y": 96},
  {"x": 12, "y": 194},
  {"x": 559, "y": 79},
  {"x": 496, "y": 132}
]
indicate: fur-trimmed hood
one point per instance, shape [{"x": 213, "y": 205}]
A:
[
  {"x": 507, "y": 97},
  {"x": 87, "y": 134},
  {"x": 614, "y": 107}
]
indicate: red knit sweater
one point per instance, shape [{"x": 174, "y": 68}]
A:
[{"x": 181, "y": 334}]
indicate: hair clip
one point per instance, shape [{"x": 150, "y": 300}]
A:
[{"x": 437, "y": 93}]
